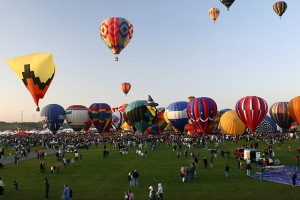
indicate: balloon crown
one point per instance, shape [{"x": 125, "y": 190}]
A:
[{"x": 151, "y": 102}]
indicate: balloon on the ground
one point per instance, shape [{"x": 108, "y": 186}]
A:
[
  {"x": 267, "y": 126},
  {"x": 36, "y": 72},
  {"x": 160, "y": 120},
  {"x": 176, "y": 115},
  {"x": 294, "y": 109},
  {"x": 230, "y": 123},
  {"x": 125, "y": 87},
  {"x": 227, "y": 3},
  {"x": 117, "y": 119},
  {"x": 116, "y": 32},
  {"x": 279, "y": 8},
  {"x": 53, "y": 116},
  {"x": 251, "y": 110},
  {"x": 153, "y": 130},
  {"x": 77, "y": 116},
  {"x": 224, "y": 110},
  {"x": 202, "y": 111},
  {"x": 100, "y": 114},
  {"x": 280, "y": 114},
  {"x": 190, "y": 98},
  {"x": 87, "y": 126},
  {"x": 214, "y": 13},
  {"x": 141, "y": 114}
]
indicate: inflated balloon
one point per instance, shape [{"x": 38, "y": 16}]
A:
[
  {"x": 202, "y": 111},
  {"x": 87, "y": 126},
  {"x": 160, "y": 120},
  {"x": 214, "y": 13},
  {"x": 153, "y": 130},
  {"x": 224, "y": 110},
  {"x": 77, "y": 116},
  {"x": 141, "y": 114},
  {"x": 279, "y": 8},
  {"x": 125, "y": 87},
  {"x": 36, "y": 71},
  {"x": 53, "y": 116},
  {"x": 176, "y": 115},
  {"x": 116, "y": 32},
  {"x": 280, "y": 114},
  {"x": 230, "y": 123},
  {"x": 227, "y": 3},
  {"x": 100, "y": 114},
  {"x": 191, "y": 129},
  {"x": 294, "y": 109},
  {"x": 117, "y": 119},
  {"x": 251, "y": 110},
  {"x": 190, "y": 98}
]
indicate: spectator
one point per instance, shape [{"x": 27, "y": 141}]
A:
[
  {"x": 248, "y": 169},
  {"x": 160, "y": 192},
  {"x": 1, "y": 187},
  {"x": 47, "y": 186},
  {"x": 226, "y": 170},
  {"x": 16, "y": 185},
  {"x": 294, "y": 179},
  {"x": 66, "y": 193},
  {"x": 135, "y": 176}
]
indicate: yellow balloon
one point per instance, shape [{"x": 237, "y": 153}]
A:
[
  {"x": 214, "y": 13},
  {"x": 230, "y": 123}
]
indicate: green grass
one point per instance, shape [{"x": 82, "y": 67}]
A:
[{"x": 99, "y": 178}]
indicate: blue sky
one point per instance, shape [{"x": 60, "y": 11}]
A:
[{"x": 176, "y": 51}]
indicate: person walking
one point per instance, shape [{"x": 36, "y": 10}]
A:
[
  {"x": 16, "y": 185},
  {"x": 205, "y": 162},
  {"x": 47, "y": 186},
  {"x": 1, "y": 187},
  {"x": 66, "y": 193},
  {"x": 135, "y": 176},
  {"x": 152, "y": 195},
  {"x": 226, "y": 170},
  {"x": 160, "y": 192},
  {"x": 130, "y": 195}
]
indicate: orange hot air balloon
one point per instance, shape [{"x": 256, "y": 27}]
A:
[
  {"x": 125, "y": 87},
  {"x": 294, "y": 108},
  {"x": 214, "y": 13}
]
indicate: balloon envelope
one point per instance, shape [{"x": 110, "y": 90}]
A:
[
  {"x": 279, "y": 8},
  {"x": 214, "y": 13},
  {"x": 77, "y": 116},
  {"x": 294, "y": 109},
  {"x": 280, "y": 114},
  {"x": 125, "y": 87},
  {"x": 202, "y": 111},
  {"x": 53, "y": 116},
  {"x": 36, "y": 72},
  {"x": 251, "y": 110},
  {"x": 116, "y": 32},
  {"x": 139, "y": 115},
  {"x": 176, "y": 115},
  {"x": 267, "y": 126},
  {"x": 230, "y": 123},
  {"x": 227, "y": 3},
  {"x": 100, "y": 114}
]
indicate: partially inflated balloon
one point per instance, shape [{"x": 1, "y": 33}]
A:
[
  {"x": 116, "y": 32},
  {"x": 77, "y": 116},
  {"x": 53, "y": 116},
  {"x": 36, "y": 71},
  {"x": 251, "y": 110}
]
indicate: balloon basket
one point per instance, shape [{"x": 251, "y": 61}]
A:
[{"x": 116, "y": 59}]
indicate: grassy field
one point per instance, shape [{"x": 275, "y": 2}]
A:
[{"x": 98, "y": 178}]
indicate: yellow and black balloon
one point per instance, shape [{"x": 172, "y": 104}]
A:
[{"x": 36, "y": 72}]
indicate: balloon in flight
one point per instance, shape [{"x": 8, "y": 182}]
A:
[
  {"x": 279, "y": 8},
  {"x": 214, "y": 13}
]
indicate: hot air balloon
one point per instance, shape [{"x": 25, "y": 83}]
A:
[
  {"x": 294, "y": 109},
  {"x": 77, "y": 116},
  {"x": 267, "y": 126},
  {"x": 227, "y": 3},
  {"x": 87, "y": 126},
  {"x": 160, "y": 120},
  {"x": 280, "y": 7},
  {"x": 117, "y": 119},
  {"x": 231, "y": 124},
  {"x": 214, "y": 13},
  {"x": 224, "y": 110},
  {"x": 100, "y": 114},
  {"x": 251, "y": 110},
  {"x": 53, "y": 116},
  {"x": 153, "y": 130},
  {"x": 36, "y": 71},
  {"x": 202, "y": 111},
  {"x": 176, "y": 115},
  {"x": 141, "y": 114},
  {"x": 116, "y": 32},
  {"x": 125, "y": 87},
  {"x": 280, "y": 114},
  {"x": 190, "y": 98}
]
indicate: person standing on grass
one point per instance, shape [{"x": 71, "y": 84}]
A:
[
  {"x": 160, "y": 192},
  {"x": 135, "y": 176},
  {"x": 248, "y": 168},
  {"x": 226, "y": 170},
  {"x": 294, "y": 179},
  {"x": 47, "y": 186},
  {"x": 66, "y": 193},
  {"x": 205, "y": 162}
]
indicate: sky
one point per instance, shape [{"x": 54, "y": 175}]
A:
[{"x": 176, "y": 51}]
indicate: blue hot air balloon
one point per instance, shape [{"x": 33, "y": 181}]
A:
[
  {"x": 53, "y": 116},
  {"x": 176, "y": 115}
]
